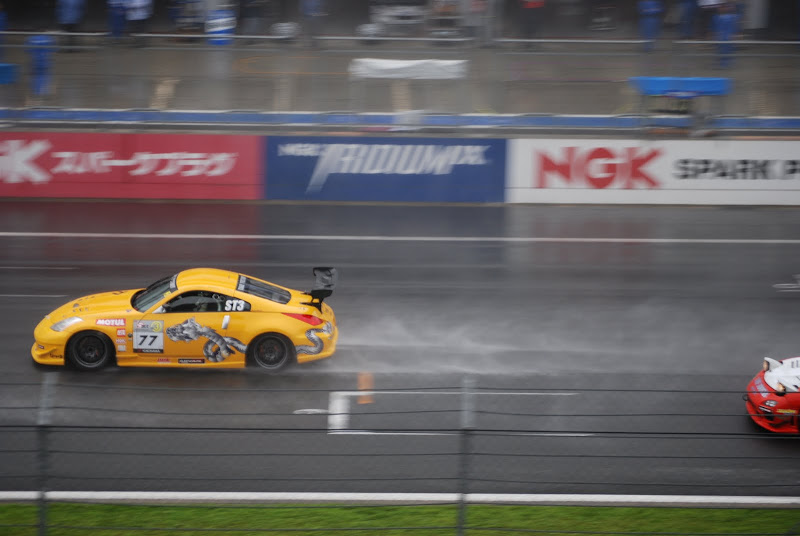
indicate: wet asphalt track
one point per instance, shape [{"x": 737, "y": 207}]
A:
[{"x": 622, "y": 361}]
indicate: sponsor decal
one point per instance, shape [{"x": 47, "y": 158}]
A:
[
  {"x": 122, "y": 341},
  {"x": 786, "y": 411},
  {"x": 191, "y": 361},
  {"x": 57, "y": 356},
  {"x": 122, "y": 348},
  {"x": 39, "y": 346},
  {"x": 121, "y": 333},
  {"x": 216, "y": 348},
  {"x": 162, "y": 360},
  {"x": 148, "y": 336},
  {"x": 746, "y": 170},
  {"x": 110, "y": 322},
  {"x": 595, "y": 167}
]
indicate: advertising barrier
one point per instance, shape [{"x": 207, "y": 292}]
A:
[
  {"x": 130, "y": 166},
  {"x": 707, "y": 172},
  {"x": 385, "y": 169}
]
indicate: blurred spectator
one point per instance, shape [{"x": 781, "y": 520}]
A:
[
  {"x": 725, "y": 25},
  {"x": 3, "y": 28},
  {"x": 313, "y": 11},
  {"x": 116, "y": 19},
  {"x": 650, "y": 21},
  {"x": 253, "y": 14},
  {"x": 40, "y": 48},
  {"x": 474, "y": 19},
  {"x": 136, "y": 13},
  {"x": 688, "y": 22},
  {"x": 708, "y": 8},
  {"x": 530, "y": 17},
  {"x": 69, "y": 15}
]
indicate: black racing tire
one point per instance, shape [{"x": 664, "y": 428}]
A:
[
  {"x": 89, "y": 350},
  {"x": 271, "y": 352}
]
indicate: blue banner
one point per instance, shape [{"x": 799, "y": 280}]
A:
[{"x": 432, "y": 170}]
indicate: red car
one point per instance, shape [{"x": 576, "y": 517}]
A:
[{"x": 773, "y": 396}]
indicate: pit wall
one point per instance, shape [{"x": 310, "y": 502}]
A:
[{"x": 399, "y": 169}]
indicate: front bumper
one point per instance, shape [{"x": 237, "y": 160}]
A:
[
  {"x": 780, "y": 418},
  {"x": 48, "y": 346}
]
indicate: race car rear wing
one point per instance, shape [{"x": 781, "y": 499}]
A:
[{"x": 325, "y": 279}]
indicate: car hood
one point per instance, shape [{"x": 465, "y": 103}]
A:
[
  {"x": 788, "y": 374},
  {"x": 106, "y": 303}
]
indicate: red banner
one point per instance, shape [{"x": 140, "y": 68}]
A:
[{"x": 130, "y": 166}]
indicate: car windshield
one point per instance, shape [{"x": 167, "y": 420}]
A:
[{"x": 145, "y": 299}]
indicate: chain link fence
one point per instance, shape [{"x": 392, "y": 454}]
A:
[{"x": 459, "y": 446}]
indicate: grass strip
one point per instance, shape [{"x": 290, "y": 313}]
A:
[{"x": 71, "y": 519}]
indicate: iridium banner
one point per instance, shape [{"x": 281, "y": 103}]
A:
[{"x": 385, "y": 169}]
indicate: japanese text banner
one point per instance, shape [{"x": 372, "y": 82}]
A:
[{"x": 146, "y": 166}]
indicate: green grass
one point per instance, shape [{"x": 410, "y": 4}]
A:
[{"x": 429, "y": 520}]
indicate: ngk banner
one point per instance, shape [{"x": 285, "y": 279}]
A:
[
  {"x": 707, "y": 172},
  {"x": 150, "y": 166},
  {"x": 385, "y": 169}
]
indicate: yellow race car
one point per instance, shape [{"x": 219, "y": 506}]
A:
[{"x": 202, "y": 317}]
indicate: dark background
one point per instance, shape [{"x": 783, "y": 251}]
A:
[{"x": 784, "y": 17}]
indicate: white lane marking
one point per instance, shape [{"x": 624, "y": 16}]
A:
[
  {"x": 339, "y": 409},
  {"x": 788, "y": 287},
  {"x": 381, "y": 238},
  {"x": 33, "y": 295},
  {"x": 310, "y": 411},
  {"x": 38, "y": 267},
  {"x": 526, "y": 434},
  {"x": 556, "y": 499}
]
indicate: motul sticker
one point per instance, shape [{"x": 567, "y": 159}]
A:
[{"x": 110, "y": 322}]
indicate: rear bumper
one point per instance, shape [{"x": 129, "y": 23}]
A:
[{"x": 328, "y": 348}]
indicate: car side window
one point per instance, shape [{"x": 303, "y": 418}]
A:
[{"x": 198, "y": 301}]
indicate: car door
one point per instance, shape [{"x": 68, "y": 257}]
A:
[{"x": 185, "y": 330}]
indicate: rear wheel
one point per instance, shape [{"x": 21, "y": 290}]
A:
[
  {"x": 89, "y": 350},
  {"x": 271, "y": 352}
]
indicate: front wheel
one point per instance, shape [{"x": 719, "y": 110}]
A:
[
  {"x": 271, "y": 352},
  {"x": 89, "y": 350}
]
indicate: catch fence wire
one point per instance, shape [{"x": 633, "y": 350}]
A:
[{"x": 57, "y": 452}]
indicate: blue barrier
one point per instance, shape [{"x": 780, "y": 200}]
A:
[
  {"x": 680, "y": 87},
  {"x": 9, "y": 73}
]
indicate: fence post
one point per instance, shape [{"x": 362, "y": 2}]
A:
[
  {"x": 467, "y": 426},
  {"x": 43, "y": 421}
]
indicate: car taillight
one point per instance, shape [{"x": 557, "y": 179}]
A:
[{"x": 308, "y": 319}]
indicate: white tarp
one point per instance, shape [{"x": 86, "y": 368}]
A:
[{"x": 408, "y": 69}]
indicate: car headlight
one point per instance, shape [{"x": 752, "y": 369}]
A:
[
  {"x": 61, "y": 325},
  {"x": 780, "y": 390}
]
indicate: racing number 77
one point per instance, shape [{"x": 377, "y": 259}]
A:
[{"x": 143, "y": 340}]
